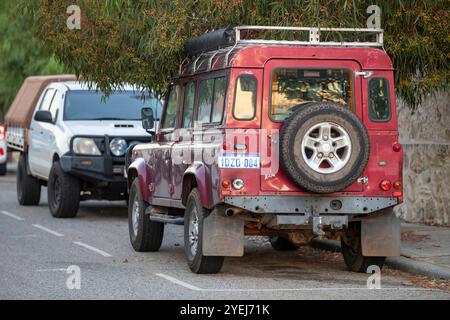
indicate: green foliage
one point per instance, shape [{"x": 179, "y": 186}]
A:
[
  {"x": 142, "y": 41},
  {"x": 22, "y": 54}
]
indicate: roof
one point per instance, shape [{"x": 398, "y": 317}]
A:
[
  {"x": 256, "y": 56},
  {"x": 21, "y": 110},
  {"x": 82, "y": 85}
]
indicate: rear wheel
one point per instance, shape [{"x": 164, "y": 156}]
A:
[
  {"x": 352, "y": 250},
  {"x": 145, "y": 235},
  {"x": 193, "y": 237},
  {"x": 282, "y": 244},
  {"x": 28, "y": 187},
  {"x": 63, "y": 192},
  {"x": 2, "y": 169}
]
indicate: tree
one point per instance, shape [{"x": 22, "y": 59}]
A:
[
  {"x": 142, "y": 41},
  {"x": 21, "y": 53}
]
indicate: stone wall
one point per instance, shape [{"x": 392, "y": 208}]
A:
[{"x": 425, "y": 135}]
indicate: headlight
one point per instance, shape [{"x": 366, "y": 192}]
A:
[
  {"x": 85, "y": 146},
  {"x": 118, "y": 146}
]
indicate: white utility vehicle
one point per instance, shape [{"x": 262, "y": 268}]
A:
[{"x": 74, "y": 140}]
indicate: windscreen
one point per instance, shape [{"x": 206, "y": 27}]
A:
[{"x": 124, "y": 105}]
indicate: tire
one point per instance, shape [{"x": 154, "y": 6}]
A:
[
  {"x": 145, "y": 235},
  {"x": 28, "y": 187},
  {"x": 324, "y": 147},
  {"x": 2, "y": 169},
  {"x": 352, "y": 250},
  {"x": 63, "y": 193},
  {"x": 193, "y": 238},
  {"x": 282, "y": 244}
]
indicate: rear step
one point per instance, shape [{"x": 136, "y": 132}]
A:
[{"x": 165, "y": 218}]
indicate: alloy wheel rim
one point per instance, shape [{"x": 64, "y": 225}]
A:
[
  {"x": 326, "y": 147},
  {"x": 56, "y": 192},
  {"x": 193, "y": 232},
  {"x": 135, "y": 214}
]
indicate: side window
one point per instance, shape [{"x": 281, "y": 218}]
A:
[
  {"x": 55, "y": 105},
  {"x": 379, "y": 100},
  {"x": 47, "y": 100},
  {"x": 211, "y": 100},
  {"x": 219, "y": 100},
  {"x": 205, "y": 100},
  {"x": 245, "y": 97},
  {"x": 188, "y": 109},
  {"x": 170, "y": 113}
]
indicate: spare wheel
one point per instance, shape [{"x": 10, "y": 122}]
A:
[{"x": 324, "y": 147}]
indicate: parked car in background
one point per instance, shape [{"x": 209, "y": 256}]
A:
[
  {"x": 292, "y": 140},
  {"x": 74, "y": 140},
  {"x": 3, "y": 150}
]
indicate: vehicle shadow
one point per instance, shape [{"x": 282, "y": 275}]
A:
[{"x": 102, "y": 209}]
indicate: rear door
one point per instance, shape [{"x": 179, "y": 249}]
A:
[
  {"x": 289, "y": 83},
  {"x": 38, "y": 150},
  {"x": 166, "y": 137},
  {"x": 182, "y": 149}
]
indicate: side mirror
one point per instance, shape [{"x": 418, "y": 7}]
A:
[
  {"x": 148, "y": 119},
  {"x": 43, "y": 116}
]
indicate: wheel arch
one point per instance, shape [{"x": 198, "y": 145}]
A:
[
  {"x": 197, "y": 176},
  {"x": 138, "y": 169}
]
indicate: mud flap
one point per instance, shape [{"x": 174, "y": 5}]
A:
[
  {"x": 380, "y": 234},
  {"x": 223, "y": 236}
]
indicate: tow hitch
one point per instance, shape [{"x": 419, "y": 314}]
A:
[{"x": 310, "y": 218}]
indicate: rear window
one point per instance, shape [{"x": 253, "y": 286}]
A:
[
  {"x": 292, "y": 87},
  {"x": 379, "y": 102}
]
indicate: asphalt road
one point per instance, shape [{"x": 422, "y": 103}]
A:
[{"x": 36, "y": 250}]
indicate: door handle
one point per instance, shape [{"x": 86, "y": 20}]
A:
[{"x": 166, "y": 155}]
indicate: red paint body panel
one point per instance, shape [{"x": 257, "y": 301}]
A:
[{"x": 259, "y": 61}]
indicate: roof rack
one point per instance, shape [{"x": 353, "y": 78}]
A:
[
  {"x": 204, "y": 49},
  {"x": 314, "y": 36}
]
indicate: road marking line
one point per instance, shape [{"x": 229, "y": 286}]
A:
[
  {"x": 48, "y": 230},
  {"x": 316, "y": 289},
  {"x": 194, "y": 288},
  {"x": 52, "y": 270},
  {"x": 101, "y": 252},
  {"x": 179, "y": 282},
  {"x": 11, "y": 215}
]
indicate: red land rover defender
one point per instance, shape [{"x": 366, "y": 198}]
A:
[{"x": 292, "y": 140}]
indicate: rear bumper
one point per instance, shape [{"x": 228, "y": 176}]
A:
[{"x": 305, "y": 204}]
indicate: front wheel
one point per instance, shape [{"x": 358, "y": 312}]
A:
[
  {"x": 145, "y": 235},
  {"x": 63, "y": 193},
  {"x": 193, "y": 237},
  {"x": 352, "y": 250}
]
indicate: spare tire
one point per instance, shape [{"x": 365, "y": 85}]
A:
[{"x": 324, "y": 147}]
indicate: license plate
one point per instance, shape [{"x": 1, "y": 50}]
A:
[{"x": 233, "y": 161}]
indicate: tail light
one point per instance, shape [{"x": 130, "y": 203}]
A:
[
  {"x": 2, "y": 152},
  {"x": 397, "y": 185},
  {"x": 385, "y": 185},
  {"x": 226, "y": 184},
  {"x": 2, "y": 132}
]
